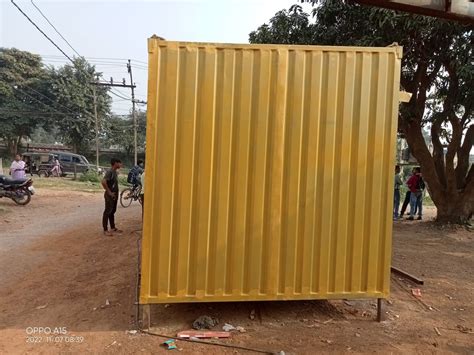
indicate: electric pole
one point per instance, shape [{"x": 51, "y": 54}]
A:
[
  {"x": 96, "y": 128},
  {"x": 107, "y": 84},
  {"x": 129, "y": 67}
]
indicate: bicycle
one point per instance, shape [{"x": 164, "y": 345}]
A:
[{"x": 130, "y": 194}]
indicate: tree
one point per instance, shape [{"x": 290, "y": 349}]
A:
[
  {"x": 24, "y": 103},
  {"x": 286, "y": 27},
  {"x": 437, "y": 69},
  {"x": 73, "y": 94},
  {"x": 120, "y": 132},
  {"x": 42, "y": 136}
]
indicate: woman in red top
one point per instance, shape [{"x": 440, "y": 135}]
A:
[{"x": 416, "y": 194}]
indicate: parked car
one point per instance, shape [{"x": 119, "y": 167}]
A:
[
  {"x": 41, "y": 164},
  {"x": 71, "y": 163}
]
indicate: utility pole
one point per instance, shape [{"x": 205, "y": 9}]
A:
[
  {"x": 96, "y": 128},
  {"x": 129, "y": 67},
  {"x": 109, "y": 84}
]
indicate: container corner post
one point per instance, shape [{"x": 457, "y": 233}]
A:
[{"x": 380, "y": 310}]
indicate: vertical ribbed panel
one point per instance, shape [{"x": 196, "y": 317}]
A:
[{"x": 269, "y": 172}]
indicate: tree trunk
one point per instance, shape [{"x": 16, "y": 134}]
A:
[
  {"x": 455, "y": 209},
  {"x": 12, "y": 145},
  {"x": 453, "y": 205}
]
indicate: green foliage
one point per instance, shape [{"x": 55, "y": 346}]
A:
[
  {"x": 73, "y": 93},
  {"x": 123, "y": 180},
  {"x": 437, "y": 68},
  {"x": 57, "y": 100},
  {"x": 24, "y": 103},
  {"x": 68, "y": 184},
  {"x": 90, "y": 176},
  {"x": 286, "y": 27},
  {"x": 43, "y": 136},
  {"x": 437, "y": 54},
  {"x": 119, "y": 131}
]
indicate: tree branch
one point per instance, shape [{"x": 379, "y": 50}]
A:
[
  {"x": 453, "y": 147},
  {"x": 434, "y": 72},
  {"x": 419, "y": 99},
  {"x": 470, "y": 176},
  {"x": 438, "y": 152},
  {"x": 420, "y": 151},
  {"x": 466, "y": 116},
  {"x": 463, "y": 153}
]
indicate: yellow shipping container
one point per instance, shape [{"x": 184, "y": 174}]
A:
[{"x": 269, "y": 172}]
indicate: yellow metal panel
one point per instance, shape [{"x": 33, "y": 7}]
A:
[{"x": 269, "y": 172}]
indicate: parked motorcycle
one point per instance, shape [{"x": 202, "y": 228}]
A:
[{"x": 20, "y": 191}]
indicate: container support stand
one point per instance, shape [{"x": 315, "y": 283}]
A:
[
  {"x": 380, "y": 310},
  {"x": 146, "y": 316}
]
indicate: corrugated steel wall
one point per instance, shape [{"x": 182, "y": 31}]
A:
[{"x": 269, "y": 172}]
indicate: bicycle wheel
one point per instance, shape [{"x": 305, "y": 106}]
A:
[{"x": 126, "y": 197}]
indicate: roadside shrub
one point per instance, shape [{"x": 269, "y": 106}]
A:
[
  {"x": 90, "y": 176},
  {"x": 122, "y": 180}
]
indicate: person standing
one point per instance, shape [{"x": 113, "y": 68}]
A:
[
  {"x": 56, "y": 171},
  {"x": 110, "y": 185},
  {"x": 28, "y": 165},
  {"x": 142, "y": 191},
  {"x": 396, "y": 193},
  {"x": 17, "y": 169},
  {"x": 419, "y": 202},
  {"x": 406, "y": 202},
  {"x": 416, "y": 192}
]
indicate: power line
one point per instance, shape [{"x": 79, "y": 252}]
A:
[
  {"x": 112, "y": 91},
  {"x": 122, "y": 97},
  {"x": 37, "y": 92},
  {"x": 39, "y": 29},
  {"x": 59, "y": 61},
  {"x": 65, "y": 40},
  {"x": 102, "y": 58},
  {"x": 54, "y": 102},
  {"x": 36, "y": 113},
  {"x": 71, "y": 112},
  {"x": 97, "y": 64},
  {"x": 34, "y": 98},
  {"x": 44, "y": 34},
  {"x": 64, "y": 53},
  {"x": 120, "y": 62},
  {"x": 144, "y": 69}
]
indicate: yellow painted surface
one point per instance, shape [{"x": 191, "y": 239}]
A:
[{"x": 269, "y": 172}]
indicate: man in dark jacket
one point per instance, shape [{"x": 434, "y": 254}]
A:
[
  {"x": 406, "y": 201},
  {"x": 135, "y": 173},
  {"x": 111, "y": 187}
]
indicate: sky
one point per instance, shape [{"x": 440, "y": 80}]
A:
[{"x": 118, "y": 30}]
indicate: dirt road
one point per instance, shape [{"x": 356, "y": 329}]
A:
[
  {"x": 58, "y": 271},
  {"x": 51, "y": 213}
]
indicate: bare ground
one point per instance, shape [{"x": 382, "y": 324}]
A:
[{"x": 57, "y": 270}]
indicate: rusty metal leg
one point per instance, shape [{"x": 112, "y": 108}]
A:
[
  {"x": 380, "y": 310},
  {"x": 146, "y": 316}
]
